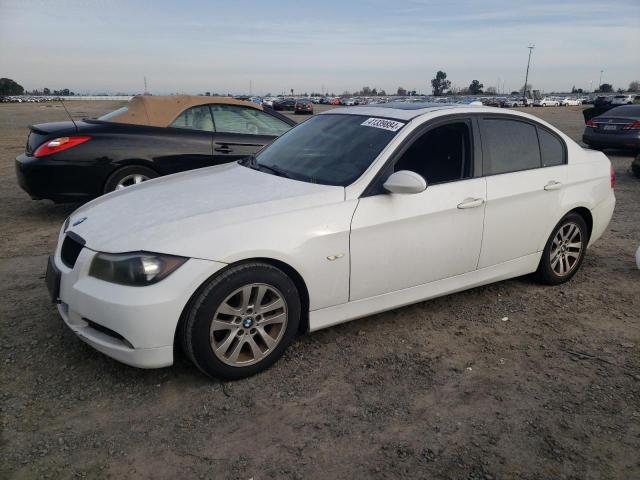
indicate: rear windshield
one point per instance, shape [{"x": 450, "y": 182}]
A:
[
  {"x": 330, "y": 149},
  {"x": 111, "y": 115},
  {"x": 625, "y": 110}
]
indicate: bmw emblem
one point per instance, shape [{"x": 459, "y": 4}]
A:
[
  {"x": 247, "y": 322},
  {"x": 78, "y": 222}
]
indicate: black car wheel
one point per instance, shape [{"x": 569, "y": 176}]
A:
[
  {"x": 242, "y": 321},
  {"x": 127, "y": 176}
]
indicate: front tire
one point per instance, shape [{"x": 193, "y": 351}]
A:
[
  {"x": 564, "y": 252},
  {"x": 242, "y": 321}
]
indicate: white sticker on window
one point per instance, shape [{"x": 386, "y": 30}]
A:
[{"x": 383, "y": 123}]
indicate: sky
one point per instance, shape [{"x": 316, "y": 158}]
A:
[{"x": 243, "y": 46}]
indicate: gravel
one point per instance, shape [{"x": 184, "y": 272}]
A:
[{"x": 509, "y": 381}]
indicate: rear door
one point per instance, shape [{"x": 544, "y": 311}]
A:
[
  {"x": 525, "y": 168},
  {"x": 241, "y": 131}
]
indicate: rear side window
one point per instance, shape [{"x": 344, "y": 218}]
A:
[
  {"x": 511, "y": 145},
  {"x": 195, "y": 118},
  {"x": 551, "y": 149}
]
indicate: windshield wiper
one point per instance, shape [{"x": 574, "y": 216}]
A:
[
  {"x": 273, "y": 169},
  {"x": 252, "y": 163}
]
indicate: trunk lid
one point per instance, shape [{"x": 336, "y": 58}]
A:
[{"x": 42, "y": 132}]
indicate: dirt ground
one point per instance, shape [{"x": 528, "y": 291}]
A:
[{"x": 445, "y": 389}]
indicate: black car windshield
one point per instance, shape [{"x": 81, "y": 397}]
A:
[
  {"x": 330, "y": 149},
  {"x": 108, "y": 116}
]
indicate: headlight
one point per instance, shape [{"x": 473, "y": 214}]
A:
[{"x": 135, "y": 269}]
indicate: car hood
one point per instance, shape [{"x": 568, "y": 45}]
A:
[{"x": 162, "y": 214}]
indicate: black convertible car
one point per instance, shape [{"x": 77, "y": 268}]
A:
[{"x": 151, "y": 136}]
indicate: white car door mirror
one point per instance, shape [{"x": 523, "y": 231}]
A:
[{"x": 405, "y": 182}]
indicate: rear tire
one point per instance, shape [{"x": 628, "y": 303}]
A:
[
  {"x": 126, "y": 176},
  {"x": 241, "y": 321},
  {"x": 564, "y": 252}
]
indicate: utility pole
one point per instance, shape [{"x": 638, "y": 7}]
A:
[
  {"x": 600, "y": 83},
  {"x": 146, "y": 91},
  {"x": 526, "y": 78}
]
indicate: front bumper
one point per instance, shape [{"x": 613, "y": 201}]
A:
[
  {"x": 134, "y": 325},
  {"x": 629, "y": 139}
]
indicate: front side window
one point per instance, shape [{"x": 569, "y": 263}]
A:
[
  {"x": 195, "y": 118},
  {"x": 329, "y": 149},
  {"x": 443, "y": 154},
  {"x": 511, "y": 145},
  {"x": 248, "y": 121}
]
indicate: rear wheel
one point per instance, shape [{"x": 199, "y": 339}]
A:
[
  {"x": 242, "y": 321},
  {"x": 564, "y": 251},
  {"x": 127, "y": 176}
]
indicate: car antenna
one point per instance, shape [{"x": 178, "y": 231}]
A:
[{"x": 65, "y": 109}]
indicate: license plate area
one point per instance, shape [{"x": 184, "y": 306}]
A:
[
  {"x": 609, "y": 127},
  {"x": 52, "y": 280}
]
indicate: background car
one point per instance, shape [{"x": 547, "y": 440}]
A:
[
  {"x": 284, "y": 104},
  {"x": 622, "y": 100},
  {"x": 570, "y": 102},
  {"x": 618, "y": 127},
  {"x": 303, "y": 106},
  {"x": 152, "y": 136},
  {"x": 546, "y": 102}
]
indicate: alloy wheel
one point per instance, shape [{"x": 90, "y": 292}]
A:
[
  {"x": 248, "y": 325},
  {"x": 566, "y": 249},
  {"x": 132, "y": 179}
]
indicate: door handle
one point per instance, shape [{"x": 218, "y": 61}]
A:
[
  {"x": 553, "y": 185},
  {"x": 223, "y": 148},
  {"x": 471, "y": 203}
]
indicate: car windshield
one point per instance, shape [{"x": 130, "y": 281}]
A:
[
  {"x": 109, "y": 116},
  {"x": 329, "y": 149}
]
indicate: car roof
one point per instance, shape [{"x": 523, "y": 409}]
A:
[
  {"x": 161, "y": 111},
  {"x": 403, "y": 110}
]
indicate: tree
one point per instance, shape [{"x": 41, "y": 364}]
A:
[
  {"x": 382, "y": 93},
  {"x": 365, "y": 91},
  {"x": 475, "y": 88},
  {"x": 440, "y": 84},
  {"x": 46, "y": 91},
  {"x": 401, "y": 92},
  {"x": 605, "y": 88},
  {"x": 492, "y": 90},
  {"x": 634, "y": 86},
  {"x": 374, "y": 92},
  {"x": 526, "y": 88},
  {"x": 10, "y": 87}
]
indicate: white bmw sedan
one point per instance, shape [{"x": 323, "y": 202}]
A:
[{"x": 355, "y": 211}]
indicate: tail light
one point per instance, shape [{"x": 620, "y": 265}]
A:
[
  {"x": 632, "y": 126},
  {"x": 613, "y": 177},
  {"x": 591, "y": 124},
  {"x": 59, "y": 145}
]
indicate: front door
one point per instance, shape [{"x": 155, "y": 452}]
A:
[
  {"x": 400, "y": 241},
  {"x": 241, "y": 131}
]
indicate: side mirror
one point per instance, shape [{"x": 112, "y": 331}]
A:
[{"x": 406, "y": 182}]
